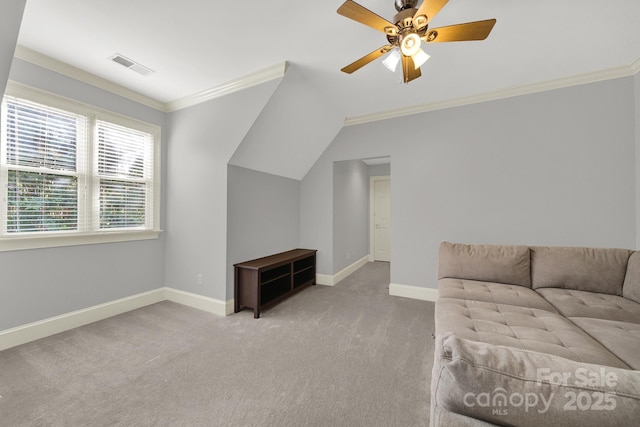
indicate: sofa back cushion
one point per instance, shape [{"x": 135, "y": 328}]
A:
[
  {"x": 489, "y": 263},
  {"x": 631, "y": 287},
  {"x": 583, "y": 269}
]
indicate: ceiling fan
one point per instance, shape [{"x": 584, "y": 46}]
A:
[{"x": 410, "y": 29}]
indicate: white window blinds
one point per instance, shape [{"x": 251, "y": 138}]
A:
[
  {"x": 40, "y": 147},
  {"x": 66, "y": 169},
  {"x": 125, "y": 174}
]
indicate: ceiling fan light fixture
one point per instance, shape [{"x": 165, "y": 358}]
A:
[
  {"x": 392, "y": 60},
  {"x": 419, "y": 58},
  {"x": 406, "y": 32},
  {"x": 419, "y": 22},
  {"x": 410, "y": 44}
]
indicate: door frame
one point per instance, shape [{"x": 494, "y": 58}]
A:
[{"x": 372, "y": 227}]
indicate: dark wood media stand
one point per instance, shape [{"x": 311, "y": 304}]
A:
[{"x": 263, "y": 282}]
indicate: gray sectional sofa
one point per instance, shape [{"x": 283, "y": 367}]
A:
[{"x": 533, "y": 336}]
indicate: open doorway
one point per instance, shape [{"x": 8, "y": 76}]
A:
[{"x": 353, "y": 181}]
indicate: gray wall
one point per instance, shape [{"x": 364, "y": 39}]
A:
[
  {"x": 263, "y": 216},
  {"x": 10, "y": 20},
  {"x": 379, "y": 170},
  {"x": 350, "y": 213},
  {"x": 37, "y": 284},
  {"x": 201, "y": 140},
  {"x": 552, "y": 168}
]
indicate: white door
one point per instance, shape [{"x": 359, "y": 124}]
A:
[{"x": 382, "y": 219}]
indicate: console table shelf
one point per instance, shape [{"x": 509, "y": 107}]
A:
[{"x": 263, "y": 282}]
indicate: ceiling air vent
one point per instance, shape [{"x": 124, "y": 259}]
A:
[{"x": 132, "y": 65}]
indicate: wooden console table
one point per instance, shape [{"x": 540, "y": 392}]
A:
[{"x": 263, "y": 282}]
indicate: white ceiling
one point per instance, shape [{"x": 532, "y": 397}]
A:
[{"x": 195, "y": 45}]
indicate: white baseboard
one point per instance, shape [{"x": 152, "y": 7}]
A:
[
  {"x": 414, "y": 292},
  {"x": 328, "y": 280},
  {"x": 54, "y": 325},
  {"x": 211, "y": 305},
  {"x": 324, "y": 279}
]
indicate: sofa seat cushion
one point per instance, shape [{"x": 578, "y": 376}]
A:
[
  {"x": 509, "y": 386},
  {"x": 498, "y": 293},
  {"x": 621, "y": 338},
  {"x": 520, "y": 327},
  {"x": 572, "y": 303}
]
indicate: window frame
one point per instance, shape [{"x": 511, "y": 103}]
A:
[{"x": 90, "y": 232}]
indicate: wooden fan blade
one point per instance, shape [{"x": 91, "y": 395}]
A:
[
  {"x": 361, "y": 14},
  {"x": 355, "y": 66},
  {"x": 428, "y": 9},
  {"x": 409, "y": 69},
  {"x": 478, "y": 30}
]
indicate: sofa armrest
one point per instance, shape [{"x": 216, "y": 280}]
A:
[{"x": 509, "y": 386}]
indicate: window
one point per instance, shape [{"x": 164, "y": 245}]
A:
[{"x": 73, "y": 174}]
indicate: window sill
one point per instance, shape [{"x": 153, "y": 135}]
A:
[{"x": 38, "y": 242}]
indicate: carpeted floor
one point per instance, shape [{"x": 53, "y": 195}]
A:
[{"x": 348, "y": 355}]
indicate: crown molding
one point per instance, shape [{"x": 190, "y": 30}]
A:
[
  {"x": 635, "y": 66},
  {"x": 279, "y": 70},
  {"x": 65, "y": 69},
  {"x": 613, "y": 73},
  {"x": 262, "y": 76},
  {"x": 274, "y": 72}
]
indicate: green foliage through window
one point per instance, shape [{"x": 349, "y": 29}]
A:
[
  {"x": 41, "y": 202},
  {"x": 122, "y": 204}
]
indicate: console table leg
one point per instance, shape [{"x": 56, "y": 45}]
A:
[{"x": 236, "y": 302}]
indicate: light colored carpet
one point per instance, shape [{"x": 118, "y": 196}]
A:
[{"x": 349, "y": 355}]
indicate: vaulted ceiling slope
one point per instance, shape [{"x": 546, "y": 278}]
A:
[
  {"x": 194, "y": 45},
  {"x": 296, "y": 125},
  {"x": 10, "y": 19}
]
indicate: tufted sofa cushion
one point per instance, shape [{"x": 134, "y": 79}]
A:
[
  {"x": 490, "y": 263},
  {"x": 584, "y": 269},
  {"x": 520, "y": 327},
  {"x": 498, "y": 293},
  {"x": 572, "y": 303},
  {"x": 621, "y": 338}
]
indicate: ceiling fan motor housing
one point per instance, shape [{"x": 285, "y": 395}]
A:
[
  {"x": 405, "y": 24},
  {"x": 405, "y": 4}
]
